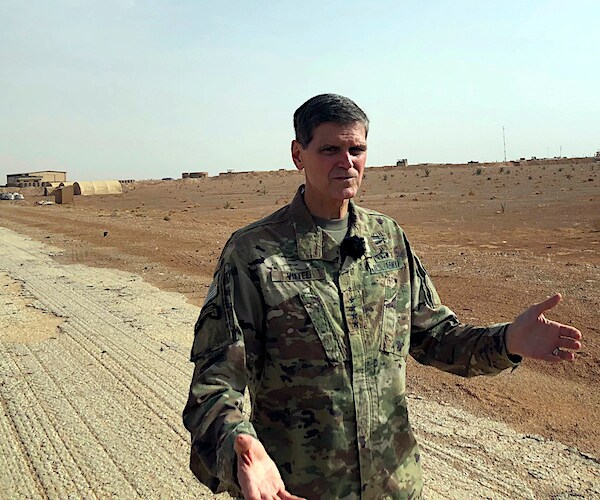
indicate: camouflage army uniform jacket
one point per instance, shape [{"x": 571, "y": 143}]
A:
[{"x": 322, "y": 346}]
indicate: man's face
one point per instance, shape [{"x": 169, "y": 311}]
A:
[{"x": 333, "y": 163}]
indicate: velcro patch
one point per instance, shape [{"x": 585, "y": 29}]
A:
[
  {"x": 212, "y": 293},
  {"x": 298, "y": 275},
  {"x": 386, "y": 265}
]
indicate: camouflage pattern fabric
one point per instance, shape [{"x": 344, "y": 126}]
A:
[{"x": 322, "y": 345}]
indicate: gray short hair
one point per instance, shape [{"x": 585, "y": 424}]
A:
[{"x": 325, "y": 108}]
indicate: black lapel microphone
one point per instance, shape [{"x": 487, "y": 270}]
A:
[{"x": 353, "y": 246}]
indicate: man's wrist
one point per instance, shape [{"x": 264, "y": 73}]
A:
[
  {"x": 509, "y": 344},
  {"x": 227, "y": 457}
]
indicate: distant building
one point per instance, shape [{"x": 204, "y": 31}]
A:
[
  {"x": 402, "y": 163},
  {"x": 64, "y": 194},
  {"x": 194, "y": 175},
  {"x": 35, "y": 179}
]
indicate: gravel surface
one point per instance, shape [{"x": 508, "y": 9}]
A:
[{"x": 94, "y": 373}]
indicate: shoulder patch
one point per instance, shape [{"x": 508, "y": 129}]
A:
[{"x": 212, "y": 293}]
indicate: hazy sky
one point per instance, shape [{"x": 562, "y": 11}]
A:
[{"x": 135, "y": 89}]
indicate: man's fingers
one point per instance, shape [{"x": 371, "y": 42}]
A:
[
  {"x": 284, "y": 495},
  {"x": 569, "y": 331},
  {"x": 549, "y": 303},
  {"x": 558, "y": 357},
  {"x": 569, "y": 343}
]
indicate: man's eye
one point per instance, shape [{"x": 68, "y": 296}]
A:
[
  {"x": 329, "y": 149},
  {"x": 357, "y": 151}
]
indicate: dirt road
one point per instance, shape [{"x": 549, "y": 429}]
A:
[
  {"x": 94, "y": 373},
  {"x": 93, "y": 380}
]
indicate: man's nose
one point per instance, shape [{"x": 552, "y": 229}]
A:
[{"x": 346, "y": 160}]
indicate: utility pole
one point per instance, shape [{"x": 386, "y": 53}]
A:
[
  {"x": 504, "y": 140},
  {"x": 561, "y": 151}
]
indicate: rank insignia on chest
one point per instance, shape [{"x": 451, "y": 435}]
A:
[{"x": 378, "y": 239}]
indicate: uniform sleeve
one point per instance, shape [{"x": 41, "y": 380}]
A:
[
  {"x": 439, "y": 339},
  {"x": 213, "y": 414}
]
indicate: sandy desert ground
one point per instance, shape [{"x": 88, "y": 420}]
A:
[{"x": 495, "y": 238}]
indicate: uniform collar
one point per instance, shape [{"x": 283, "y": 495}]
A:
[{"x": 314, "y": 243}]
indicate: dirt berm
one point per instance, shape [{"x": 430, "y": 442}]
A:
[{"x": 94, "y": 373}]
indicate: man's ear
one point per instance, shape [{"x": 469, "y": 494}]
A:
[{"x": 297, "y": 154}]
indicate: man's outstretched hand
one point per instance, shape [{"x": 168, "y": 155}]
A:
[
  {"x": 532, "y": 335},
  {"x": 257, "y": 473}
]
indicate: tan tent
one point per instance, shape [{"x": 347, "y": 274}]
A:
[
  {"x": 49, "y": 187},
  {"x": 87, "y": 188}
]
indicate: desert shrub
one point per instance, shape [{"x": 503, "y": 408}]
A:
[
  {"x": 479, "y": 171},
  {"x": 227, "y": 205},
  {"x": 427, "y": 171}
]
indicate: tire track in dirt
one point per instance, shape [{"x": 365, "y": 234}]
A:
[
  {"x": 50, "y": 458},
  {"x": 13, "y": 454},
  {"x": 114, "y": 408},
  {"x": 101, "y": 340},
  {"x": 111, "y": 345},
  {"x": 472, "y": 457},
  {"x": 94, "y": 411},
  {"x": 97, "y": 408}
]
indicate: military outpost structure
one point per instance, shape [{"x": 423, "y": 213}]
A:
[
  {"x": 63, "y": 194},
  {"x": 35, "y": 179},
  {"x": 87, "y": 188},
  {"x": 194, "y": 175}
]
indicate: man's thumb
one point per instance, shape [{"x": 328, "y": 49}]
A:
[
  {"x": 242, "y": 443},
  {"x": 549, "y": 303}
]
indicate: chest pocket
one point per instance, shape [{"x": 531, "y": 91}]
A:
[
  {"x": 388, "y": 276},
  {"x": 315, "y": 308}
]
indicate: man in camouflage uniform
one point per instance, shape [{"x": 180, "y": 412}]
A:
[{"x": 315, "y": 309}]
